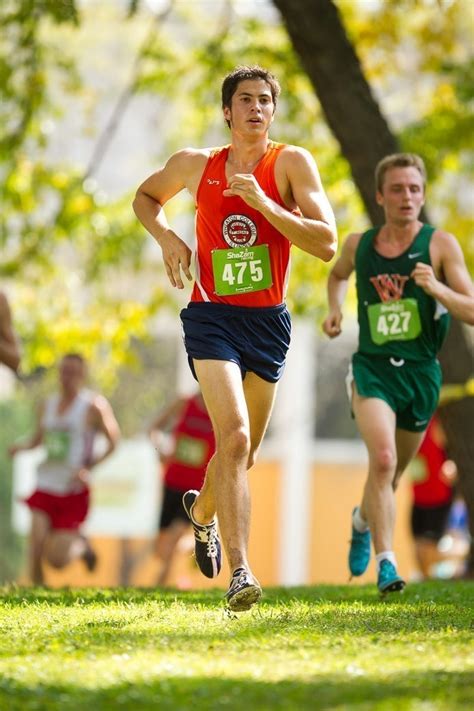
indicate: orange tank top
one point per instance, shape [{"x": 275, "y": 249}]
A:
[{"x": 224, "y": 223}]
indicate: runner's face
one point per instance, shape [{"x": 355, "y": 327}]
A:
[
  {"x": 402, "y": 195},
  {"x": 252, "y": 107},
  {"x": 71, "y": 374}
]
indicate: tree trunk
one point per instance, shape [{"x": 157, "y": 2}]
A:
[{"x": 328, "y": 57}]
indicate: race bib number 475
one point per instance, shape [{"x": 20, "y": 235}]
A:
[
  {"x": 394, "y": 321},
  {"x": 241, "y": 270}
]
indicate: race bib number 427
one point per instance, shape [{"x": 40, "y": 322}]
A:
[
  {"x": 394, "y": 321},
  {"x": 241, "y": 270}
]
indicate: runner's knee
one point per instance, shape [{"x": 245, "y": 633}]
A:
[
  {"x": 383, "y": 462},
  {"x": 56, "y": 559},
  {"x": 235, "y": 444},
  {"x": 56, "y": 553}
]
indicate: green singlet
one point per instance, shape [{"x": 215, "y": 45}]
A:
[
  {"x": 396, "y": 317},
  {"x": 401, "y": 329}
]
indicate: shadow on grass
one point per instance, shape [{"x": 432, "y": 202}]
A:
[
  {"x": 314, "y": 627},
  {"x": 191, "y": 618},
  {"x": 453, "y": 690}
]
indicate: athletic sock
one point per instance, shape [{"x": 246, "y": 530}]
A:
[
  {"x": 385, "y": 555},
  {"x": 358, "y": 522}
]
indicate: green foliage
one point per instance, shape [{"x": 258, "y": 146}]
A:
[
  {"x": 59, "y": 233},
  {"x": 447, "y": 128},
  {"x": 302, "y": 649},
  {"x": 418, "y": 56},
  {"x": 23, "y": 62},
  {"x": 102, "y": 329}
]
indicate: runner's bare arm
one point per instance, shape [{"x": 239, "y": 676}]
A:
[
  {"x": 338, "y": 282},
  {"x": 35, "y": 440},
  {"x": 180, "y": 172},
  {"x": 9, "y": 349},
  {"x": 314, "y": 231},
  {"x": 102, "y": 418},
  {"x": 163, "y": 424},
  {"x": 457, "y": 294},
  {"x": 168, "y": 415}
]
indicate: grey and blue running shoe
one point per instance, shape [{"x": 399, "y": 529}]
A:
[
  {"x": 207, "y": 546},
  {"x": 244, "y": 591}
]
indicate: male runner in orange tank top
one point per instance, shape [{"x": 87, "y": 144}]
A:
[{"x": 254, "y": 199}]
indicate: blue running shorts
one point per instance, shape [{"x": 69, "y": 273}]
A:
[{"x": 257, "y": 339}]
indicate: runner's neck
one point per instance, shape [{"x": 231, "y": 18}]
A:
[{"x": 244, "y": 158}]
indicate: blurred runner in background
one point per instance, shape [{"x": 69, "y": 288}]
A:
[
  {"x": 184, "y": 439},
  {"x": 66, "y": 425},
  {"x": 433, "y": 476}
]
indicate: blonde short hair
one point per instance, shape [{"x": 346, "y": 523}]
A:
[{"x": 398, "y": 160}]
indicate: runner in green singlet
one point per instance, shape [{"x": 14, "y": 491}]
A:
[{"x": 410, "y": 278}]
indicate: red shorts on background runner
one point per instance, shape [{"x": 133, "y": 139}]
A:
[{"x": 64, "y": 512}]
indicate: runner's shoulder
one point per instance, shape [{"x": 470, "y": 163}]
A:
[
  {"x": 290, "y": 153},
  {"x": 441, "y": 238},
  {"x": 351, "y": 242},
  {"x": 188, "y": 159},
  {"x": 97, "y": 402}
]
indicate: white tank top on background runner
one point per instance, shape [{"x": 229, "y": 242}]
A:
[{"x": 67, "y": 440}]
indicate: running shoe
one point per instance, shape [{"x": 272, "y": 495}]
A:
[
  {"x": 89, "y": 556},
  {"x": 388, "y": 579},
  {"x": 244, "y": 591},
  {"x": 359, "y": 552},
  {"x": 207, "y": 546}
]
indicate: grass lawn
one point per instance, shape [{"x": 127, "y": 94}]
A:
[{"x": 324, "y": 647}]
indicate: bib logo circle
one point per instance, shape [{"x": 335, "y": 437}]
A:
[{"x": 239, "y": 230}]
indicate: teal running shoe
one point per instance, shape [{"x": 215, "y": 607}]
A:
[
  {"x": 359, "y": 552},
  {"x": 389, "y": 580}
]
